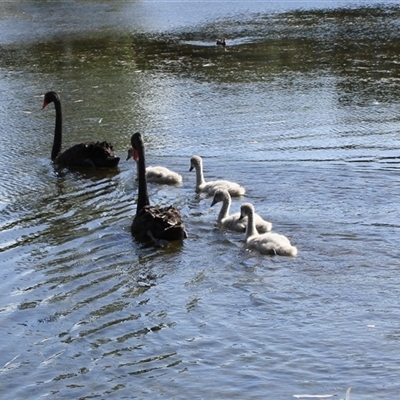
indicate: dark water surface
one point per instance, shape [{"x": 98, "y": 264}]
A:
[{"x": 302, "y": 108}]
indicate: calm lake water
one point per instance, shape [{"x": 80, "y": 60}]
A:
[{"x": 302, "y": 108}]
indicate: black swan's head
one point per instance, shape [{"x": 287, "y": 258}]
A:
[
  {"x": 137, "y": 146},
  {"x": 50, "y": 97}
]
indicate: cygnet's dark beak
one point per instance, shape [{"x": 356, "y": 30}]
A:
[{"x": 130, "y": 154}]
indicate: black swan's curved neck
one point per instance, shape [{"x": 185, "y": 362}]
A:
[
  {"x": 57, "y": 143},
  {"x": 143, "y": 197}
]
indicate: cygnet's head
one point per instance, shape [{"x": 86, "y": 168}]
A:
[
  {"x": 130, "y": 153},
  {"x": 195, "y": 162},
  {"x": 246, "y": 209},
  {"x": 220, "y": 195}
]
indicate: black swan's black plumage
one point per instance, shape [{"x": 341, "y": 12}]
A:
[
  {"x": 91, "y": 154},
  {"x": 152, "y": 222}
]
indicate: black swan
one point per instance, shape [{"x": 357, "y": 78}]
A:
[
  {"x": 152, "y": 222},
  {"x": 221, "y": 42},
  {"x": 91, "y": 154}
]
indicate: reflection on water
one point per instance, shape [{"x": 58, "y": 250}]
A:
[{"x": 300, "y": 108}]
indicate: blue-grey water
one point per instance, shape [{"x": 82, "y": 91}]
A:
[{"x": 302, "y": 108}]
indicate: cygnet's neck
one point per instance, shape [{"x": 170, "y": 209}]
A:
[
  {"x": 224, "y": 212},
  {"x": 199, "y": 175},
  {"x": 251, "y": 225}
]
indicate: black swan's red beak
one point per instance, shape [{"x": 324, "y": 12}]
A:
[{"x": 135, "y": 155}]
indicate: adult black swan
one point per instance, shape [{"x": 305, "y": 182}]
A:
[
  {"x": 221, "y": 42},
  {"x": 152, "y": 222},
  {"x": 91, "y": 154}
]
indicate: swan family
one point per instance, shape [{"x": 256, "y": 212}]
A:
[{"x": 161, "y": 225}]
